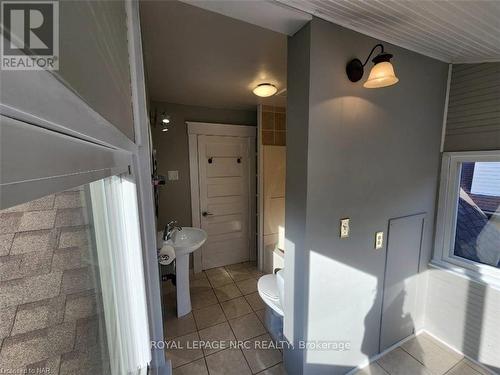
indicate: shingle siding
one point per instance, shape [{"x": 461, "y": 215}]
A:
[{"x": 50, "y": 311}]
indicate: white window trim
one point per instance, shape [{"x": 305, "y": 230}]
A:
[
  {"x": 117, "y": 233},
  {"x": 447, "y": 215}
]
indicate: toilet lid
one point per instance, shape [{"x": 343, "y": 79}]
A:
[{"x": 268, "y": 287}]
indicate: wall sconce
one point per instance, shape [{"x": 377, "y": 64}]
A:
[
  {"x": 165, "y": 120},
  {"x": 382, "y": 73}
]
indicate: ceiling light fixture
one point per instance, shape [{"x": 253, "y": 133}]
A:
[
  {"x": 165, "y": 120},
  {"x": 382, "y": 73},
  {"x": 265, "y": 89}
]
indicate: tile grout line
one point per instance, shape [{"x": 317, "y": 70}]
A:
[
  {"x": 383, "y": 368},
  {"x": 190, "y": 333},
  {"x": 231, "y": 328},
  {"x": 423, "y": 364},
  {"x": 234, "y": 334},
  {"x": 452, "y": 367},
  {"x": 198, "y": 329},
  {"x": 252, "y": 312},
  {"x": 407, "y": 352},
  {"x": 465, "y": 363},
  {"x": 227, "y": 321}
]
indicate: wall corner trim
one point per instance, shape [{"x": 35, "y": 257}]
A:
[{"x": 445, "y": 109}]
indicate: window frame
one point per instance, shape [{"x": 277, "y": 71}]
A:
[
  {"x": 38, "y": 101},
  {"x": 447, "y": 217}
]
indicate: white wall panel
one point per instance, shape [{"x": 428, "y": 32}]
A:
[
  {"x": 465, "y": 314},
  {"x": 473, "y": 120},
  {"x": 90, "y": 95},
  {"x": 94, "y": 58}
]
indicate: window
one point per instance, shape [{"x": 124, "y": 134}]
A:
[
  {"x": 468, "y": 226},
  {"x": 72, "y": 292}
]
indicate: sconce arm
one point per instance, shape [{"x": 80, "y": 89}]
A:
[{"x": 371, "y": 52}]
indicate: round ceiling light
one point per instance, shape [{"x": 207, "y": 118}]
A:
[
  {"x": 165, "y": 119},
  {"x": 265, "y": 89}
]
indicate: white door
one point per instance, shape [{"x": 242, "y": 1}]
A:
[{"x": 224, "y": 186}]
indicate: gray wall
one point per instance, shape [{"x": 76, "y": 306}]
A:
[
  {"x": 473, "y": 121},
  {"x": 94, "y": 58},
  {"x": 372, "y": 155},
  {"x": 297, "y": 114},
  {"x": 93, "y": 64},
  {"x": 172, "y": 153}
]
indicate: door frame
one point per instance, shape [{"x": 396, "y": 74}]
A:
[{"x": 195, "y": 129}]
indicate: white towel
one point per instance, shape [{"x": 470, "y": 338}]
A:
[{"x": 166, "y": 255}]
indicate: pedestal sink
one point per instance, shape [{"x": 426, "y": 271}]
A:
[{"x": 185, "y": 242}]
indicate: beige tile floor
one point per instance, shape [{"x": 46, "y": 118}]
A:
[
  {"x": 226, "y": 307},
  {"x": 423, "y": 355}
]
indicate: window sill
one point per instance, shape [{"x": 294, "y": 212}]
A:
[{"x": 474, "y": 276}]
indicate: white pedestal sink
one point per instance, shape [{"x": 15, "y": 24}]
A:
[{"x": 184, "y": 243}]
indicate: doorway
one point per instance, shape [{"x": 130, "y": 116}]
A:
[{"x": 222, "y": 161}]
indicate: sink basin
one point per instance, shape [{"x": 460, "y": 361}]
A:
[
  {"x": 187, "y": 240},
  {"x": 184, "y": 242}
]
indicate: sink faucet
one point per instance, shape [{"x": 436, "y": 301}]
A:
[{"x": 169, "y": 229}]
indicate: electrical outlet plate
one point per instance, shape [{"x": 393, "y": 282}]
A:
[
  {"x": 379, "y": 240},
  {"x": 344, "y": 228}
]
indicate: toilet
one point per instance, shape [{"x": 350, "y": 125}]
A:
[{"x": 271, "y": 288}]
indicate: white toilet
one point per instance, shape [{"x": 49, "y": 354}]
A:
[{"x": 271, "y": 288}]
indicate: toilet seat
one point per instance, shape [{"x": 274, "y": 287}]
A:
[
  {"x": 268, "y": 286},
  {"x": 268, "y": 291}
]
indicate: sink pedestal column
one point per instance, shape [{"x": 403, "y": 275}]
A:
[{"x": 182, "y": 281}]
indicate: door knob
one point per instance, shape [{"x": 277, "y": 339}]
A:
[{"x": 205, "y": 213}]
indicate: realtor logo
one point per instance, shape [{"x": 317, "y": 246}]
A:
[{"x": 30, "y": 37}]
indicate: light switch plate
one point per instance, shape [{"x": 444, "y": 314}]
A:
[
  {"x": 379, "y": 240},
  {"x": 173, "y": 175},
  {"x": 344, "y": 228}
]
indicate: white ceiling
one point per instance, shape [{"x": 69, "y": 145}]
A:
[
  {"x": 201, "y": 57},
  {"x": 197, "y": 57},
  {"x": 269, "y": 14},
  {"x": 456, "y": 31}
]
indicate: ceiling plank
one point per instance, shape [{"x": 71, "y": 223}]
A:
[{"x": 452, "y": 31}]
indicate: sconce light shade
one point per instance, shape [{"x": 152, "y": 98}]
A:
[
  {"x": 265, "y": 89},
  {"x": 381, "y": 75}
]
